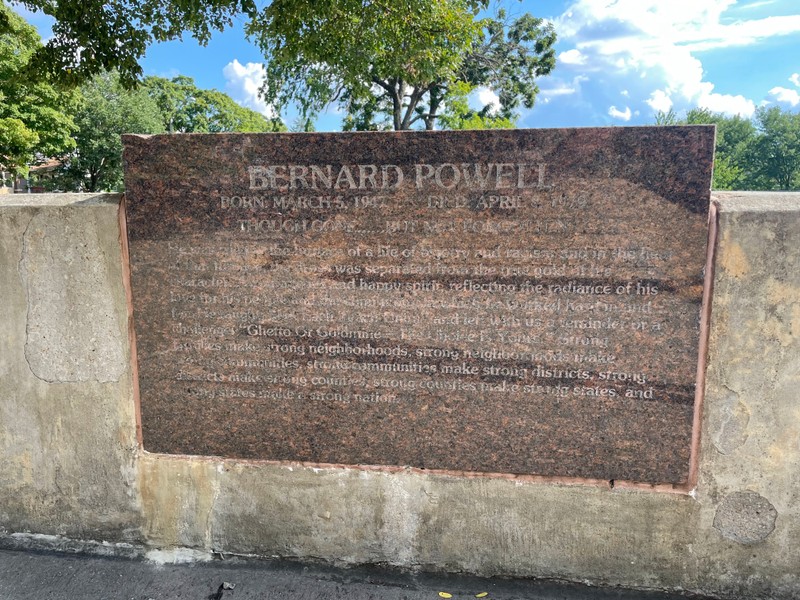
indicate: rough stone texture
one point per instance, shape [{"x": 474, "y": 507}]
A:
[
  {"x": 73, "y": 333},
  {"x": 518, "y": 302},
  {"x": 731, "y": 431},
  {"x": 754, "y": 353},
  {"x": 67, "y": 430},
  {"x": 745, "y": 517},
  {"x": 68, "y": 459}
]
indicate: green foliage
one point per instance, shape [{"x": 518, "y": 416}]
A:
[
  {"x": 186, "y": 108},
  {"x": 511, "y": 56},
  {"x": 17, "y": 145},
  {"x": 386, "y": 62},
  {"x": 322, "y": 51},
  {"x": 776, "y": 157},
  {"x": 459, "y": 115},
  {"x": 394, "y": 64},
  {"x": 34, "y": 115},
  {"x": 91, "y": 37},
  {"x": 728, "y": 174},
  {"x": 760, "y": 155},
  {"x": 105, "y": 113},
  {"x": 107, "y": 110},
  {"x": 301, "y": 125},
  {"x": 669, "y": 117},
  {"x": 734, "y": 147}
]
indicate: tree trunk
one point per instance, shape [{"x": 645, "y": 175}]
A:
[
  {"x": 397, "y": 103},
  {"x": 416, "y": 95},
  {"x": 436, "y": 101}
]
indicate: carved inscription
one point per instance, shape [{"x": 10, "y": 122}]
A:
[{"x": 501, "y": 313}]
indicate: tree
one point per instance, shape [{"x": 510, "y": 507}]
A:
[
  {"x": 35, "y": 117},
  {"x": 186, "y": 108},
  {"x": 733, "y": 164},
  {"x": 669, "y": 117},
  {"x": 106, "y": 111},
  {"x": 371, "y": 56},
  {"x": 764, "y": 155},
  {"x": 459, "y": 115},
  {"x": 777, "y": 149},
  {"x": 396, "y": 63},
  {"x": 91, "y": 37}
]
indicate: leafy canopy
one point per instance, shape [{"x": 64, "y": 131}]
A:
[
  {"x": 389, "y": 63},
  {"x": 106, "y": 112},
  {"x": 91, "y": 37},
  {"x": 395, "y": 63},
  {"x": 777, "y": 149},
  {"x": 35, "y": 116},
  {"x": 459, "y": 115},
  {"x": 185, "y": 108},
  {"x": 758, "y": 154}
]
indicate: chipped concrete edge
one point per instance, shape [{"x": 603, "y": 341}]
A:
[
  {"x": 756, "y": 202},
  {"x": 58, "y": 199}
]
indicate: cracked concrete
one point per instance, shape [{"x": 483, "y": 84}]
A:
[
  {"x": 73, "y": 333},
  {"x": 67, "y": 420}
]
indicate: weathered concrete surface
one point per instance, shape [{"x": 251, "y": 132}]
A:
[
  {"x": 67, "y": 427},
  {"x": 73, "y": 333},
  {"x": 69, "y": 464}
]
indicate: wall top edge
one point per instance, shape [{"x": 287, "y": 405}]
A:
[
  {"x": 58, "y": 199},
  {"x": 757, "y": 202}
]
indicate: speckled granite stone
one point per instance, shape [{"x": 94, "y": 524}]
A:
[{"x": 520, "y": 302}]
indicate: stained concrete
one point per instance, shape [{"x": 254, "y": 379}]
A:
[
  {"x": 67, "y": 419},
  {"x": 745, "y": 517},
  {"x": 71, "y": 464},
  {"x": 73, "y": 334}
]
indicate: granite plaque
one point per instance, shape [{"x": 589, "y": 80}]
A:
[{"x": 522, "y": 302}]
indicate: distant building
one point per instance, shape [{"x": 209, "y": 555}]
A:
[{"x": 38, "y": 175}]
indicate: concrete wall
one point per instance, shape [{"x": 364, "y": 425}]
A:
[{"x": 70, "y": 464}]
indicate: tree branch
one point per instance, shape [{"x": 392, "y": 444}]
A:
[{"x": 413, "y": 100}]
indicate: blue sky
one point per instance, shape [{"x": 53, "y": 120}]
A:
[{"x": 619, "y": 61}]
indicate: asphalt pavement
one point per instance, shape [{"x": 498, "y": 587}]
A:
[{"x": 26, "y": 575}]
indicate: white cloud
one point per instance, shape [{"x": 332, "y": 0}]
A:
[
  {"x": 741, "y": 33},
  {"x": 486, "y": 96},
  {"x": 564, "y": 89},
  {"x": 728, "y": 104},
  {"x": 785, "y": 96},
  {"x": 659, "y": 101},
  {"x": 757, "y": 4},
  {"x": 244, "y": 82},
  {"x": 559, "y": 90},
  {"x": 625, "y": 93},
  {"x": 676, "y": 22},
  {"x": 795, "y": 79},
  {"x": 647, "y": 45},
  {"x": 572, "y": 57},
  {"x": 623, "y": 115}
]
